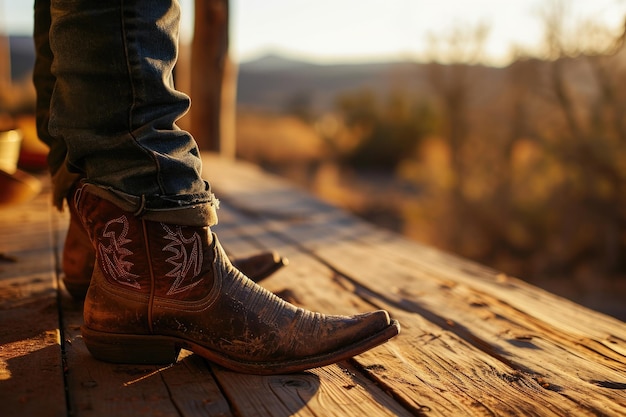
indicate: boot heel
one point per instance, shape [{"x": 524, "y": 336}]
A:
[{"x": 131, "y": 349}]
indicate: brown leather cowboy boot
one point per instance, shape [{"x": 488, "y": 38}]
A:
[
  {"x": 79, "y": 257},
  {"x": 157, "y": 288}
]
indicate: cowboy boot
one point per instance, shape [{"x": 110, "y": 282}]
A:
[
  {"x": 79, "y": 257},
  {"x": 157, "y": 288}
]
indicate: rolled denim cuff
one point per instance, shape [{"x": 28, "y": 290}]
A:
[{"x": 182, "y": 210}]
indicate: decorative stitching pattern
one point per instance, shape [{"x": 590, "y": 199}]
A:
[
  {"x": 113, "y": 253},
  {"x": 187, "y": 256}
]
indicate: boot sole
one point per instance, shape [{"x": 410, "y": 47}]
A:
[{"x": 160, "y": 350}]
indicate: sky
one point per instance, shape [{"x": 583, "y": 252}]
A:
[{"x": 330, "y": 31}]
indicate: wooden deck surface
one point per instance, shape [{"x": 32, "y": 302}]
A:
[{"x": 474, "y": 342}]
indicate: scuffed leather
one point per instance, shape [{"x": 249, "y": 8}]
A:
[{"x": 170, "y": 280}]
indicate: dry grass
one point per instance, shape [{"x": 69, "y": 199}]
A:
[
  {"x": 276, "y": 139},
  {"x": 415, "y": 201}
]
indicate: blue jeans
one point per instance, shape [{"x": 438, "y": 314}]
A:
[{"x": 107, "y": 106}]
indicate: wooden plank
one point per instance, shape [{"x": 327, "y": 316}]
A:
[
  {"x": 490, "y": 342},
  {"x": 31, "y": 371},
  {"x": 194, "y": 390},
  {"x": 418, "y": 381},
  {"x": 336, "y": 390},
  {"x": 102, "y": 389},
  {"x": 474, "y": 341}
]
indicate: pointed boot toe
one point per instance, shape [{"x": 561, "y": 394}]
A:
[
  {"x": 257, "y": 332},
  {"x": 344, "y": 337}
]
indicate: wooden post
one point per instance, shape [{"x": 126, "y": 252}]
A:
[
  {"x": 5, "y": 55},
  {"x": 209, "y": 62}
]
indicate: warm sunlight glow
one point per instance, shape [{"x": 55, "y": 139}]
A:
[{"x": 374, "y": 30}]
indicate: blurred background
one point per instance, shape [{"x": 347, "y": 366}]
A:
[{"x": 493, "y": 130}]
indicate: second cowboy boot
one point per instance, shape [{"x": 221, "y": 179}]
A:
[
  {"x": 157, "y": 288},
  {"x": 79, "y": 257}
]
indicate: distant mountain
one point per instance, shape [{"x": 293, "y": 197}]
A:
[
  {"x": 273, "y": 62},
  {"x": 273, "y": 82}
]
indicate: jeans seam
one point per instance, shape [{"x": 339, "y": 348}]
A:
[{"x": 131, "y": 79}]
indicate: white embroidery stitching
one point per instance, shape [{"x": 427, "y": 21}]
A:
[
  {"x": 113, "y": 254},
  {"x": 187, "y": 255}
]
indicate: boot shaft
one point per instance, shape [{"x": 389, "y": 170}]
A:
[{"x": 146, "y": 257}]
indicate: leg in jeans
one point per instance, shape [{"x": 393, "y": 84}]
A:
[
  {"x": 115, "y": 107},
  {"x": 44, "y": 83},
  {"x": 161, "y": 280},
  {"x": 78, "y": 254}
]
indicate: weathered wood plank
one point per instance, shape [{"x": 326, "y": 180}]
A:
[
  {"x": 336, "y": 390},
  {"x": 185, "y": 388},
  {"x": 102, "y": 389},
  {"x": 418, "y": 381},
  {"x": 474, "y": 341},
  {"x": 194, "y": 390},
  {"x": 31, "y": 371},
  {"x": 489, "y": 342}
]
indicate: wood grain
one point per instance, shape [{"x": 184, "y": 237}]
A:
[
  {"x": 474, "y": 341},
  {"x": 31, "y": 370}
]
